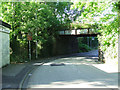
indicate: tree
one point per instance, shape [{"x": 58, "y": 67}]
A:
[
  {"x": 103, "y": 15},
  {"x": 39, "y": 17}
]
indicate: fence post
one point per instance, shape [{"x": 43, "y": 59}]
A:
[
  {"x": 88, "y": 30},
  {"x": 75, "y": 31},
  {"x": 29, "y": 50},
  {"x": 88, "y": 41}
]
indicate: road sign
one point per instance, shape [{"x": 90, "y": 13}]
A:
[{"x": 29, "y": 36}]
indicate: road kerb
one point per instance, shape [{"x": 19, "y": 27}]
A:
[{"x": 25, "y": 76}]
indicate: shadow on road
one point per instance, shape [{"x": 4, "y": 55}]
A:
[{"x": 78, "y": 72}]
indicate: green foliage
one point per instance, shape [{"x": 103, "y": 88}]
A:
[
  {"x": 39, "y": 18},
  {"x": 89, "y": 10},
  {"x": 79, "y": 25},
  {"x": 43, "y": 19},
  {"x": 103, "y": 17},
  {"x": 109, "y": 38},
  {"x": 83, "y": 47},
  {"x": 117, "y": 6}
]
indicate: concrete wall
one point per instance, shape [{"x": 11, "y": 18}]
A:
[
  {"x": 65, "y": 45},
  {"x": 4, "y": 46},
  {"x": 0, "y": 48},
  {"x": 119, "y": 48}
]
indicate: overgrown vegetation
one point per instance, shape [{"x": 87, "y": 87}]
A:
[
  {"x": 83, "y": 47},
  {"x": 86, "y": 44},
  {"x": 109, "y": 37},
  {"x": 43, "y": 19},
  {"x": 103, "y": 17}
]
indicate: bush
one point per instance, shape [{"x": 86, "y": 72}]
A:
[
  {"x": 18, "y": 59},
  {"x": 83, "y": 47},
  {"x": 19, "y": 53}
]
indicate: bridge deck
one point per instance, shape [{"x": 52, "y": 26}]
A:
[
  {"x": 82, "y": 35},
  {"x": 79, "y": 33}
]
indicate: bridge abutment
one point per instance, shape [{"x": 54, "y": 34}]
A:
[{"x": 65, "y": 45}]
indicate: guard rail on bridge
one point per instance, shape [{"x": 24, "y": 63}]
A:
[{"x": 79, "y": 32}]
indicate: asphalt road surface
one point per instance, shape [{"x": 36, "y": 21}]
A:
[{"x": 79, "y": 70}]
